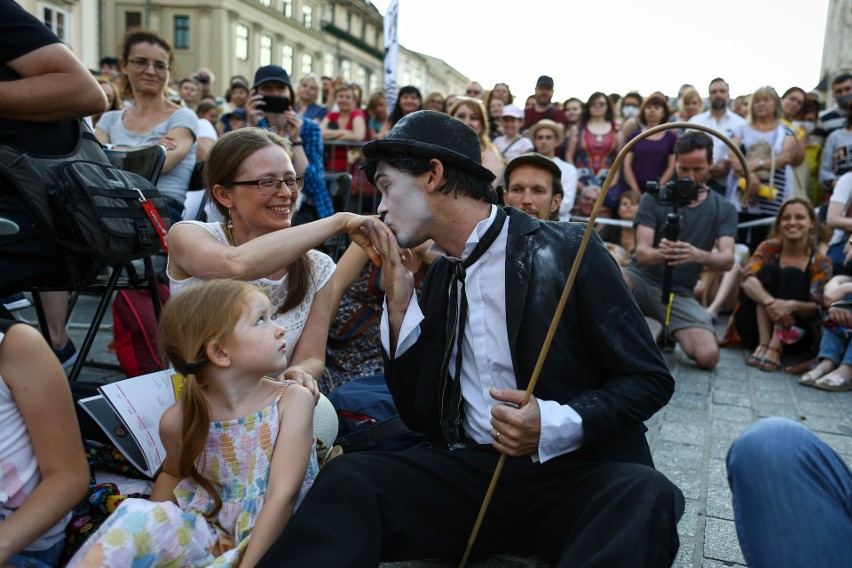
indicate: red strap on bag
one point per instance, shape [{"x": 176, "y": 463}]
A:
[{"x": 157, "y": 221}]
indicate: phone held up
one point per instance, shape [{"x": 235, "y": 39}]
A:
[{"x": 272, "y": 103}]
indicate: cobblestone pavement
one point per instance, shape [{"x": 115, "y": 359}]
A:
[{"x": 689, "y": 439}]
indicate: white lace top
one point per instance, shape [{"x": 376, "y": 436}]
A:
[{"x": 293, "y": 321}]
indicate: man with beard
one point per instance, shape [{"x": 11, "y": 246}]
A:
[
  {"x": 542, "y": 106},
  {"x": 706, "y": 221},
  {"x": 724, "y": 120}
]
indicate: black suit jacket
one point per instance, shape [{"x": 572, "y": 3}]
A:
[{"x": 603, "y": 360}]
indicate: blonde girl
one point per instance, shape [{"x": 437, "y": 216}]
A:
[{"x": 240, "y": 453}]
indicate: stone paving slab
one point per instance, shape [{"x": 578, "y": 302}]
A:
[{"x": 689, "y": 439}]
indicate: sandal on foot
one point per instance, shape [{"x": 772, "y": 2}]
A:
[
  {"x": 770, "y": 365},
  {"x": 754, "y": 360},
  {"x": 834, "y": 382}
]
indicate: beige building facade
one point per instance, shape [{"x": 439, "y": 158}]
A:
[
  {"x": 235, "y": 37},
  {"x": 75, "y": 22}
]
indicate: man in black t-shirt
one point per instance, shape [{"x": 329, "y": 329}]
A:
[{"x": 44, "y": 87}]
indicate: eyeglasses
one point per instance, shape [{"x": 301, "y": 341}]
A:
[
  {"x": 141, "y": 64},
  {"x": 598, "y": 104},
  {"x": 271, "y": 186},
  {"x": 473, "y": 92}
]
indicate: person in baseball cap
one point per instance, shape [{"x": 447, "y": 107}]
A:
[
  {"x": 543, "y": 106},
  {"x": 545, "y": 81},
  {"x": 511, "y": 144},
  {"x": 269, "y": 73}
]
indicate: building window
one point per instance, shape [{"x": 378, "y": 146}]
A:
[
  {"x": 307, "y": 63},
  {"x": 307, "y": 16},
  {"x": 181, "y": 32},
  {"x": 361, "y": 77},
  {"x": 346, "y": 69},
  {"x": 57, "y": 21},
  {"x": 265, "y": 50},
  {"x": 287, "y": 57},
  {"x": 242, "y": 42},
  {"x": 373, "y": 82},
  {"x": 287, "y": 8},
  {"x": 132, "y": 20},
  {"x": 328, "y": 64},
  {"x": 266, "y": 3},
  {"x": 331, "y": 13}
]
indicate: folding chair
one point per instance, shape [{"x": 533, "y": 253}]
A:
[{"x": 147, "y": 162}]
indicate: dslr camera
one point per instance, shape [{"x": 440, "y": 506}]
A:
[{"x": 679, "y": 192}]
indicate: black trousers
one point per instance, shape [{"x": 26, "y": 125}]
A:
[
  {"x": 789, "y": 283},
  {"x": 422, "y": 503}
]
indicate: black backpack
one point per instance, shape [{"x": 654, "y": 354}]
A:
[{"x": 87, "y": 204}]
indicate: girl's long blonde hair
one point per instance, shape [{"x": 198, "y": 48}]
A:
[{"x": 206, "y": 312}]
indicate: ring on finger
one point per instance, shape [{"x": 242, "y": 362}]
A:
[{"x": 496, "y": 436}]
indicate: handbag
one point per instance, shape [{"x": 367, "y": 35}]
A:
[
  {"x": 107, "y": 212},
  {"x": 762, "y": 151},
  {"x": 89, "y": 205}
]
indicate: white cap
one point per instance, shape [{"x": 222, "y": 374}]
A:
[{"x": 513, "y": 111}]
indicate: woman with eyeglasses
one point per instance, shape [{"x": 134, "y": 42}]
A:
[
  {"x": 153, "y": 119},
  {"x": 594, "y": 145},
  {"x": 250, "y": 179}
]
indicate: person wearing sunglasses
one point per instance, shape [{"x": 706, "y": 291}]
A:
[
  {"x": 475, "y": 90},
  {"x": 250, "y": 178},
  {"x": 146, "y": 62}
]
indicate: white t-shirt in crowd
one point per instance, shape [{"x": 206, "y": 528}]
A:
[{"x": 842, "y": 194}]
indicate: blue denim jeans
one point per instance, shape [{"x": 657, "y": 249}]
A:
[
  {"x": 792, "y": 497},
  {"x": 835, "y": 348},
  {"x": 47, "y": 558}
]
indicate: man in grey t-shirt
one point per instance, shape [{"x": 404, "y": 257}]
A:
[{"x": 708, "y": 220}]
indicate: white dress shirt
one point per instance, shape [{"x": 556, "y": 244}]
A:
[
  {"x": 487, "y": 360},
  {"x": 569, "y": 186},
  {"x": 730, "y": 124}
]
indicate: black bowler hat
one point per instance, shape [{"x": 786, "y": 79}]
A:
[{"x": 431, "y": 134}]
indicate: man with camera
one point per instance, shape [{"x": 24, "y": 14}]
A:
[
  {"x": 270, "y": 107},
  {"x": 676, "y": 229}
]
